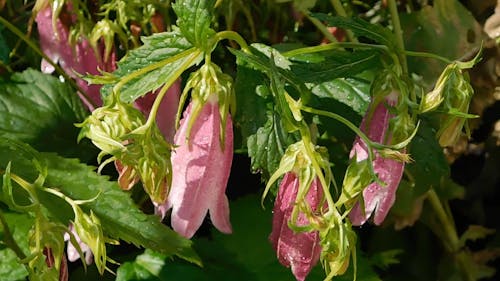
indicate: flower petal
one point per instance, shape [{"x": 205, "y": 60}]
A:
[
  {"x": 300, "y": 251},
  {"x": 200, "y": 172},
  {"x": 376, "y": 197}
]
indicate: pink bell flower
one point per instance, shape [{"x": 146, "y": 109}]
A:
[
  {"x": 377, "y": 198},
  {"x": 200, "y": 171},
  {"x": 79, "y": 58},
  {"x": 298, "y": 250}
]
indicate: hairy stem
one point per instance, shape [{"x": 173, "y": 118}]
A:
[{"x": 393, "y": 9}]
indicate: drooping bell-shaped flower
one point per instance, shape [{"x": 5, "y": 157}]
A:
[
  {"x": 201, "y": 166},
  {"x": 299, "y": 208},
  {"x": 298, "y": 250},
  {"x": 377, "y": 198},
  {"x": 202, "y": 157},
  {"x": 79, "y": 58}
]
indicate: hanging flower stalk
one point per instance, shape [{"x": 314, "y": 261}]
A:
[{"x": 203, "y": 154}]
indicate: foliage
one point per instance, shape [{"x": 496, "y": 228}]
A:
[{"x": 332, "y": 94}]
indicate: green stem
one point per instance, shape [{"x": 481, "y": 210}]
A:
[
  {"x": 333, "y": 46},
  {"x": 393, "y": 9},
  {"x": 452, "y": 241},
  {"x": 320, "y": 26},
  {"x": 156, "y": 105},
  {"x": 37, "y": 50},
  {"x": 306, "y": 138},
  {"x": 8, "y": 239},
  {"x": 337, "y": 5},
  {"x": 368, "y": 142},
  {"x": 232, "y": 35},
  {"x": 428, "y": 55}
]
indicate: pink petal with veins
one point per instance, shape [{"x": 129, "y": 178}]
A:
[
  {"x": 377, "y": 198},
  {"x": 200, "y": 172}
]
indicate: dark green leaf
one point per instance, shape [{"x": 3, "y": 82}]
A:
[
  {"x": 194, "y": 18},
  {"x": 39, "y": 109},
  {"x": 4, "y": 48},
  {"x": 119, "y": 216},
  {"x": 157, "y": 48},
  {"x": 268, "y": 144},
  {"x": 246, "y": 254},
  {"x": 338, "y": 64},
  {"x": 355, "y": 93},
  {"x": 271, "y": 62},
  {"x": 429, "y": 166},
  {"x": 251, "y": 107},
  {"x": 361, "y": 28}
]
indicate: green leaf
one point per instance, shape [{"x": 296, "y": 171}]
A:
[
  {"x": 152, "y": 266},
  {"x": 170, "y": 51},
  {"x": 246, "y": 253},
  {"x": 120, "y": 217},
  {"x": 270, "y": 62},
  {"x": 194, "y": 18},
  {"x": 19, "y": 225},
  {"x": 475, "y": 232},
  {"x": 251, "y": 105},
  {"x": 427, "y": 29},
  {"x": 336, "y": 64},
  {"x": 355, "y": 93},
  {"x": 429, "y": 167},
  {"x": 268, "y": 144},
  {"x": 361, "y": 28},
  {"x": 39, "y": 109}
]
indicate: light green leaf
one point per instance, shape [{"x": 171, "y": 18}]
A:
[
  {"x": 19, "y": 225},
  {"x": 171, "y": 48},
  {"x": 119, "y": 216},
  {"x": 39, "y": 109},
  {"x": 194, "y": 18}
]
